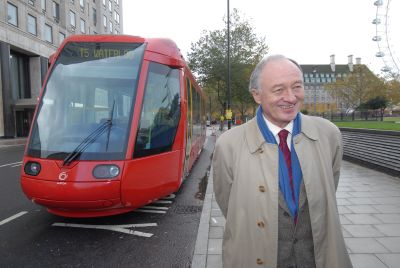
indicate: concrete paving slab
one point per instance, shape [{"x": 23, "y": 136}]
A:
[
  {"x": 365, "y": 230},
  {"x": 388, "y": 218},
  {"x": 216, "y": 232},
  {"x": 344, "y": 210},
  {"x": 214, "y": 246},
  {"x": 391, "y": 243},
  {"x": 365, "y": 245},
  {"x": 389, "y": 229},
  {"x": 391, "y": 260},
  {"x": 387, "y": 208},
  {"x": 217, "y": 221},
  {"x": 214, "y": 261},
  {"x": 362, "y": 201},
  {"x": 366, "y": 261},
  {"x": 362, "y": 219},
  {"x": 362, "y": 209}
]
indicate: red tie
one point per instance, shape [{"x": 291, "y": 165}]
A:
[{"x": 286, "y": 153}]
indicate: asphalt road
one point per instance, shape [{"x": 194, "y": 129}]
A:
[{"x": 31, "y": 237}]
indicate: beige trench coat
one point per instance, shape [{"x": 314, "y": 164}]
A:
[{"x": 245, "y": 173}]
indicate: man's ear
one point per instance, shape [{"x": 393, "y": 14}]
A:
[{"x": 256, "y": 96}]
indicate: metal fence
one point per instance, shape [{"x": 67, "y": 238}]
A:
[
  {"x": 352, "y": 116},
  {"x": 374, "y": 148}
]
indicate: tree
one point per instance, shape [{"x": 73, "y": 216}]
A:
[
  {"x": 357, "y": 87},
  {"x": 393, "y": 91},
  {"x": 377, "y": 103},
  {"x": 208, "y": 60}
]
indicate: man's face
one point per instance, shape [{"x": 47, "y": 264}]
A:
[{"x": 281, "y": 91}]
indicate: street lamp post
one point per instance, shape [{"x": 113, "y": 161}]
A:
[
  {"x": 315, "y": 90},
  {"x": 229, "y": 68}
]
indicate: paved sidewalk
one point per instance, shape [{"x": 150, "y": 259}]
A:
[
  {"x": 369, "y": 208},
  {"x": 12, "y": 142}
]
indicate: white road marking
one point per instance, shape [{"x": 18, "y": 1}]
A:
[
  {"x": 155, "y": 207},
  {"x": 137, "y": 225},
  {"x": 13, "y": 217},
  {"x": 11, "y": 164},
  {"x": 116, "y": 228},
  {"x": 18, "y": 165},
  {"x": 214, "y": 220},
  {"x": 162, "y": 202},
  {"x": 150, "y": 211}
]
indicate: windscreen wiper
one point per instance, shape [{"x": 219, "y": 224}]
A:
[
  {"x": 110, "y": 125},
  {"x": 90, "y": 139}
]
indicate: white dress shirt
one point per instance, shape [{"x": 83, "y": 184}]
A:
[{"x": 275, "y": 130}]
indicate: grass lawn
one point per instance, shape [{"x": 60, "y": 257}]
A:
[
  {"x": 393, "y": 119},
  {"x": 389, "y": 124}
]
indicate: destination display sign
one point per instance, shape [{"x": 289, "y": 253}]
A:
[
  {"x": 100, "y": 53},
  {"x": 88, "y": 51}
]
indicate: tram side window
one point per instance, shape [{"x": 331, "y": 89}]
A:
[{"x": 160, "y": 111}]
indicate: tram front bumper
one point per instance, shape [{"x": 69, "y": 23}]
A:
[{"x": 73, "y": 195}]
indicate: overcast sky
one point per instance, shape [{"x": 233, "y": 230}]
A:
[{"x": 308, "y": 31}]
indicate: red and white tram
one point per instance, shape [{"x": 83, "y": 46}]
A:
[{"x": 119, "y": 123}]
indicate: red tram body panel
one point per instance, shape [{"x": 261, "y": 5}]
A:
[{"x": 119, "y": 124}]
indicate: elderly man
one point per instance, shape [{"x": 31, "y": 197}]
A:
[{"x": 275, "y": 179}]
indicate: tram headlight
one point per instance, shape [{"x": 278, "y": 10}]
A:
[
  {"x": 105, "y": 171},
  {"x": 32, "y": 168}
]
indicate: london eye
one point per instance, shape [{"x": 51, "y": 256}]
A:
[{"x": 386, "y": 23}]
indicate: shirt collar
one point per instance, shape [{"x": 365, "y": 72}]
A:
[{"x": 275, "y": 129}]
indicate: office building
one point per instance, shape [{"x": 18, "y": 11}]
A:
[
  {"x": 317, "y": 99},
  {"x": 31, "y": 31}
]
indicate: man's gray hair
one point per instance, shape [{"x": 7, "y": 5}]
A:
[{"x": 255, "y": 75}]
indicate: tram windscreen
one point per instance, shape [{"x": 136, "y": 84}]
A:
[{"x": 88, "y": 102}]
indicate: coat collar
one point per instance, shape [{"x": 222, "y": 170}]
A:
[{"x": 255, "y": 139}]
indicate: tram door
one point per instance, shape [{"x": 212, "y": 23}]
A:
[{"x": 189, "y": 125}]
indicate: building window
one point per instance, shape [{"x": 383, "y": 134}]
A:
[
  {"x": 104, "y": 2},
  {"x": 61, "y": 37},
  {"x": 110, "y": 6},
  {"x": 48, "y": 33},
  {"x": 72, "y": 18},
  {"x": 56, "y": 11},
  {"x": 19, "y": 76},
  {"x": 94, "y": 16},
  {"x": 72, "y": 2},
  {"x": 117, "y": 17},
  {"x": 43, "y": 5},
  {"x": 82, "y": 26},
  {"x": 82, "y": 4},
  {"x": 105, "y": 22},
  {"x": 32, "y": 24},
  {"x": 31, "y": 2},
  {"x": 111, "y": 27},
  {"x": 12, "y": 14}
]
